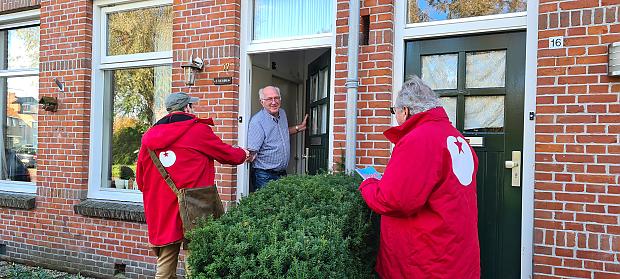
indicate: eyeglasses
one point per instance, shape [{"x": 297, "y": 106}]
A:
[
  {"x": 272, "y": 99},
  {"x": 393, "y": 110}
]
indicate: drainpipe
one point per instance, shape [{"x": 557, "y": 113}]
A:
[{"x": 351, "y": 84}]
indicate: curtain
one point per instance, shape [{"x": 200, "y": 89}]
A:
[{"x": 290, "y": 18}]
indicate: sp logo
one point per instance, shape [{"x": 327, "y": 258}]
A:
[{"x": 462, "y": 159}]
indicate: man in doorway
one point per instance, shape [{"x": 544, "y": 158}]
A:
[
  {"x": 187, "y": 147},
  {"x": 268, "y": 138}
]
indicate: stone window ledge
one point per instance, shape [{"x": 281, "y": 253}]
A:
[
  {"x": 17, "y": 200},
  {"x": 126, "y": 211}
]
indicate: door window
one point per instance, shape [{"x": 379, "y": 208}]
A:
[
  {"x": 486, "y": 69},
  {"x": 440, "y": 71},
  {"x": 484, "y": 114}
]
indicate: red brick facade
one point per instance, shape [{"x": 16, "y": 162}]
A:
[
  {"x": 10, "y": 6},
  {"x": 577, "y": 173},
  {"x": 577, "y": 197},
  {"x": 375, "y": 75}
]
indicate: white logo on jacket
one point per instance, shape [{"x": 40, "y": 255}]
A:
[
  {"x": 167, "y": 158},
  {"x": 462, "y": 159}
]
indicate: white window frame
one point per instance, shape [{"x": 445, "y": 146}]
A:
[
  {"x": 10, "y": 21},
  {"x": 101, "y": 63},
  {"x": 527, "y": 21}
]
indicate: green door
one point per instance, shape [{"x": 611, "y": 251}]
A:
[
  {"x": 481, "y": 83},
  {"x": 317, "y": 137}
]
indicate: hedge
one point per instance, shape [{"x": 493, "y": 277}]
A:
[{"x": 296, "y": 227}]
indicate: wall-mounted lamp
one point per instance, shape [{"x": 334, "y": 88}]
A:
[
  {"x": 190, "y": 69},
  {"x": 613, "y": 68}
]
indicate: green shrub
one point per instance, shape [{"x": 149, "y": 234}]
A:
[{"x": 296, "y": 227}]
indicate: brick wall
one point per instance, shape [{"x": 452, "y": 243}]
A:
[
  {"x": 374, "y": 93},
  {"x": 7, "y": 6},
  {"x": 52, "y": 235},
  {"x": 211, "y": 30},
  {"x": 577, "y": 197}
]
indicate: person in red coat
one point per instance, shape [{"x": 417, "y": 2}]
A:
[
  {"x": 186, "y": 146},
  {"x": 427, "y": 195}
]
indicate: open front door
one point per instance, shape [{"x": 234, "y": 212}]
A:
[{"x": 317, "y": 137}]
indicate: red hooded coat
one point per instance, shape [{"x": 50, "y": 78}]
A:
[
  {"x": 186, "y": 146},
  {"x": 427, "y": 199}
]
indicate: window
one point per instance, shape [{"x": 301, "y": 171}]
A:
[
  {"x": 435, "y": 10},
  {"x": 275, "y": 19},
  {"x": 19, "y": 96},
  {"x": 132, "y": 73}
]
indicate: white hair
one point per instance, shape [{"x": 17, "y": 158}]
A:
[
  {"x": 417, "y": 96},
  {"x": 261, "y": 93}
]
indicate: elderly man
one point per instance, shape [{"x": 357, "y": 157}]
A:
[
  {"x": 186, "y": 146},
  {"x": 268, "y": 138},
  {"x": 427, "y": 196}
]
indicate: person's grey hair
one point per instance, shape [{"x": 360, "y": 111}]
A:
[
  {"x": 261, "y": 93},
  {"x": 417, "y": 96}
]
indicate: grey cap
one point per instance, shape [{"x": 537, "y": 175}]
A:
[{"x": 177, "y": 101}]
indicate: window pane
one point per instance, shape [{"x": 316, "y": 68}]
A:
[
  {"x": 23, "y": 48},
  {"x": 449, "y": 105},
  {"x": 435, "y": 10},
  {"x": 314, "y": 87},
  {"x": 137, "y": 102},
  {"x": 324, "y": 83},
  {"x": 486, "y": 69},
  {"x": 323, "y": 114},
  {"x": 484, "y": 114},
  {"x": 140, "y": 31},
  {"x": 290, "y": 18},
  {"x": 314, "y": 119},
  {"x": 20, "y": 134},
  {"x": 440, "y": 71}
]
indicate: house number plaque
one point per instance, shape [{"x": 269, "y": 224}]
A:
[{"x": 222, "y": 80}]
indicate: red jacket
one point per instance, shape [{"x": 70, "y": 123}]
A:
[
  {"x": 186, "y": 146},
  {"x": 427, "y": 199}
]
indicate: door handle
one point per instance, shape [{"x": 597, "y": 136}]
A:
[{"x": 515, "y": 166}]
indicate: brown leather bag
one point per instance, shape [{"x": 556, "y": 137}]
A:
[{"x": 194, "y": 203}]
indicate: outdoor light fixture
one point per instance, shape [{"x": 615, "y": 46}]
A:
[
  {"x": 190, "y": 69},
  {"x": 613, "y": 69}
]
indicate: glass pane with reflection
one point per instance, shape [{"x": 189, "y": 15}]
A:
[
  {"x": 140, "y": 31},
  {"x": 20, "y": 130},
  {"x": 486, "y": 69},
  {"x": 23, "y": 48},
  {"x": 436, "y": 10},
  {"x": 440, "y": 71},
  {"x": 484, "y": 114},
  {"x": 137, "y": 102}
]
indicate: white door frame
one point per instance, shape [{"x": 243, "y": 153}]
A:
[
  {"x": 527, "y": 21},
  {"x": 250, "y": 46}
]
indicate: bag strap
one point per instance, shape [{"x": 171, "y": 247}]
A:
[{"x": 163, "y": 172}]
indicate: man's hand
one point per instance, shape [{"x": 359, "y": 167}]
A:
[
  {"x": 302, "y": 125},
  {"x": 247, "y": 153},
  {"x": 251, "y": 157}
]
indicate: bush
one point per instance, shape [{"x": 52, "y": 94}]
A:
[{"x": 296, "y": 227}]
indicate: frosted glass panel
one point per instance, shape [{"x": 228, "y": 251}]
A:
[
  {"x": 434, "y": 10},
  {"x": 484, "y": 113},
  {"x": 486, "y": 69},
  {"x": 291, "y": 18},
  {"x": 449, "y": 105},
  {"x": 440, "y": 71}
]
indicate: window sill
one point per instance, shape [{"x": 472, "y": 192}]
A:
[
  {"x": 17, "y": 201},
  {"x": 125, "y": 211}
]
